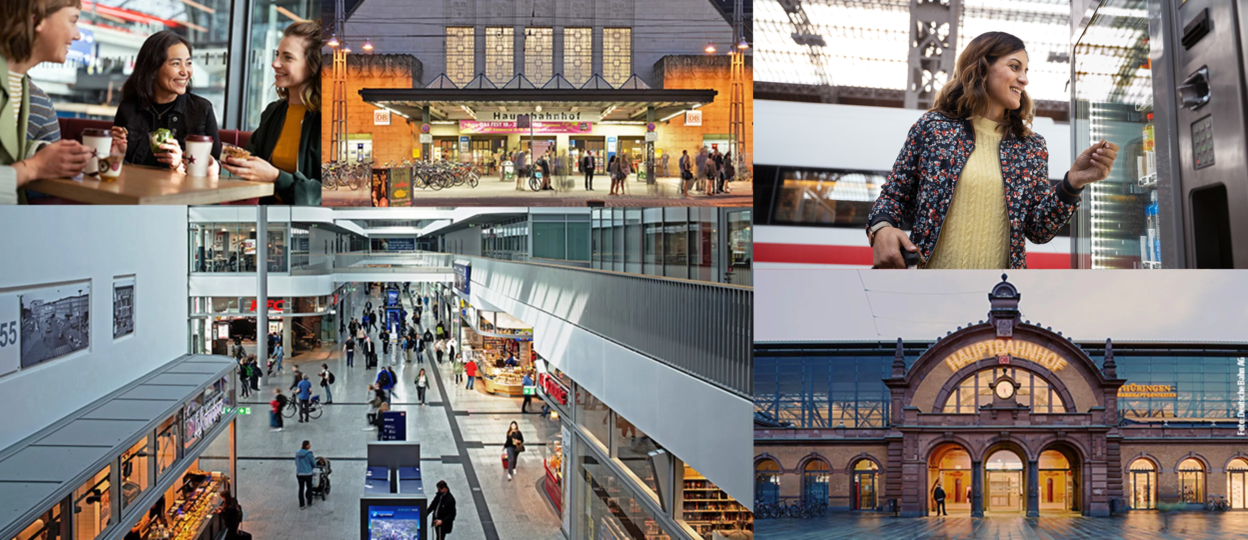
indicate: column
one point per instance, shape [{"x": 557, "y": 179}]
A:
[
  {"x": 262, "y": 292},
  {"x": 977, "y": 489},
  {"x": 425, "y": 147},
  {"x": 649, "y": 147},
  {"x": 288, "y": 322},
  {"x": 1033, "y": 489}
]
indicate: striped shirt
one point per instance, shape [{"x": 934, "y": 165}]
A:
[
  {"x": 43, "y": 123},
  {"x": 15, "y": 95}
]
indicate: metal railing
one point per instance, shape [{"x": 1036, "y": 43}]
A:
[{"x": 703, "y": 329}]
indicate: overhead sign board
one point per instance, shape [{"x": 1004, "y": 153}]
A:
[{"x": 1004, "y": 347}]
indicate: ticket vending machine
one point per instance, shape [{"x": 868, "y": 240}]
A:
[{"x": 1165, "y": 81}]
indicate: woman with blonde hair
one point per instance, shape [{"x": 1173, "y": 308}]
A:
[
  {"x": 32, "y": 32},
  {"x": 286, "y": 147},
  {"x": 973, "y": 178}
]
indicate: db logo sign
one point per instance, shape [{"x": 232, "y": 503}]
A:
[
  {"x": 381, "y": 117},
  {"x": 693, "y": 118},
  {"x": 1003, "y": 359}
]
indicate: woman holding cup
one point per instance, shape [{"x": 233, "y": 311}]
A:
[
  {"x": 286, "y": 148},
  {"x": 32, "y": 33},
  {"x": 158, "y": 113}
]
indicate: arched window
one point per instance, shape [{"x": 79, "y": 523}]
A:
[
  {"x": 866, "y": 484},
  {"x": 766, "y": 482},
  {"x": 815, "y": 482},
  {"x": 975, "y": 391},
  {"x": 1192, "y": 481},
  {"x": 1143, "y": 484},
  {"x": 1237, "y": 483}
]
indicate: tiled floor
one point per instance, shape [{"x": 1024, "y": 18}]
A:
[
  {"x": 518, "y": 509},
  {"x": 1137, "y": 526}
]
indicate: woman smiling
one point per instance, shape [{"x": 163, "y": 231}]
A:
[
  {"x": 157, "y": 96},
  {"x": 287, "y": 145}
]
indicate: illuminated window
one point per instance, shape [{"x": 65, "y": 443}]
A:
[
  {"x": 766, "y": 482},
  {"x": 500, "y": 54},
  {"x": 459, "y": 54},
  {"x": 617, "y": 54},
  {"x": 539, "y": 54},
  {"x": 578, "y": 54},
  {"x": 976, "y": 391},
  {"x": 1192, "y": 481},
  {"x": 1143, "y": 484}
]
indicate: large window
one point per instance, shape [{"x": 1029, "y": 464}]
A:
[
  {"x": 500, "y": 60},
  {"x": 1143, "y": 477},
  {"x": 766, "y": 482},
  {"x": 539, "y": 54},
  {"x": 561, "y": 236},
  {"x": 93, "y": 507},
  {"x": 611, "y": 510},
  {"x": 741, "y": 244},
  {"x": 269, "y": 18},
  {"x": 231, "y": 247},
  {"x": 822, "y": 391},
  {"x": 617, "y": 55},
  {"x": 1168, "y": 387},
  {"x": 45, "y": 527},
  {"x": 815, "y": 482},
  {"x": 976, "y": 391},
  {"x": 633, "y": 449},
  {"x": 166, "y": 444},
  {"x": 578, "y": 55},
  {"x": 593, "y": 415},
  {"x": 136, "y": 471},
  {"x": 460, "y": 54},
  {"x": 1192, "y": 481},
  {"x": 865, "y": 485}
]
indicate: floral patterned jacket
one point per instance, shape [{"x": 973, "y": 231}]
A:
[{"x": 921, "y": 185}]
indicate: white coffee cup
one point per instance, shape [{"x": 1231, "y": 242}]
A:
[
  {"x": 198, "y": 155},
  {"x": 100, "y": 142}
]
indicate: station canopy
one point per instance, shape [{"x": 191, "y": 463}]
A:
[{"x": 484, "y": 101}]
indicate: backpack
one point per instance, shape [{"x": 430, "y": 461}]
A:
[
  {"x": 384, "y": 378},
  {"x": 331, "y": 377}
]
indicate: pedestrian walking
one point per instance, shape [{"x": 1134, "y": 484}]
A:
[
  {"x": 254, "y": 373},
  {"x": 305, "y": 465},
  {"x": 277, "y": 359},
  {"x": 514, "y": 446},
  {"x": 394, "y": 380},
  {"x": 439, "y": 349},
  {"x": 327, "y": 381},
  {"x": 275, "y": 415},
  {"x": 305, "y": 397},
  {"x": 298, "y": 378},
  {"x": 442, "y": 512},
  {"x": 458, "y": 368},
  {"x": 527, "y": 388},
  {"x": 350, "y": 348},
  {"x": 375, "y": 401},
  {"x": 244, "y": 377},
  {"x": 686, "y": 172},
  {"x": 422, "y": 384},
  {"x": 587, "y": 167},
  {"x": 470, "y": 370},
  {"x": 938, "y": 495},
  {"x": 370, "y": 354}
]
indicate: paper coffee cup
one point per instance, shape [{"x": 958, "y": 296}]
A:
[
  {"x": 110, "y": 167},
  {"x": 198, "y": 154},
  {"x": 100, "y": 143}
]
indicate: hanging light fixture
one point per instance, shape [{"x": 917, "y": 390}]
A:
[
  {"x": 345, "y": 47},
  {"x": 368, "y": 45},
  {"x": 710, "y": 48},
  {"x": 333, "y": 40},
  {"x": 743, "y": 44}
]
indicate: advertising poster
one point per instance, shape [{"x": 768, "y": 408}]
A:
[
  {"x": 511, "y": 128},
  {"x": 55, "y": 321},
  {"x": 394, "y": 522},
  {"x": 380, "y": 183},
  {"x": 400, "y": 186},
  {"x": 463, "y": 277},
  {"x": 123, "y": 306}
]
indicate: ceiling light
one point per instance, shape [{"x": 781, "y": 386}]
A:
[
  {"x": 368, "y": 45},
  {"x": 743, "y": 44},
  {"x": 710, "y": 48},
  {"x": 333, "y": 41}
]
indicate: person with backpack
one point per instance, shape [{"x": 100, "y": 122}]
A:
[
  {"x": 232, "y": 517},
  {"x": 422, "y": 384},
  {"x": 394, "y": 380},
  {"x": 384, "y": 382},
  {"x": 254, "y": 373},
  {"x": 244, "y": 377},
  {"x": 938, "y": 495},
  {"x": 327, "y": 380}
]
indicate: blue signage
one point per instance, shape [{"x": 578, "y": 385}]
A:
[
  {"x": 401, "y": 244},
  {"x": 392, "y": 297},
  {"x": 82, "y": 50},
  {"x": 394, "y": 426},
  {"x": 463, "y": 277},
  {"x": 386, "y": 522}
]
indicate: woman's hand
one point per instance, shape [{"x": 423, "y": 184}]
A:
[
  {"x": 252, "y": 169},
  {"x": 120, "y": 143},
  {"x": 1093, "y": 165},
  {"x": 889, "y": 242},
  {"x": 170, "y": 154}
]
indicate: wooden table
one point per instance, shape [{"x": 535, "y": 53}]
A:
[{"x": 151, "y": 185}]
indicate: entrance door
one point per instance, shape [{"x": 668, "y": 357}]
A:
[
  {"x": 1005, "y": 490},
  {"x": 1237, "y": 477},
  {"x": 596, "y": 145},
  {"x": 1142, "y": 490}
]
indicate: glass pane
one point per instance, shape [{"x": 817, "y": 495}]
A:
[
  {"x": 134, "y": 471},
  {"x": 578, "y": 240},
  {"x": 549, "y": 240},
  {"x": 826, "y": 196},
  {"x": 166, "y": 444},
  {"x": 617, "y": 55},
  {"x": 593, "y": 414},
  {"x": 499, "y": 54},
  {"x": 88, "y": 85},
  {"x": 611, "y": 509},
  {"x": 1117, "y": 225},
  {"x": 93, "y": 507},
  {"x": 46, "y": 527},
  {"x": 539, "y": 54},
  {"x": 633, "y": 449},
  {"x": 460, "y": 55},
  {"x": 269, "y": 19},
  {"x": 578, "y": 51}
]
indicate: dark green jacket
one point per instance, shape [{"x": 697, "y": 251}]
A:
[{"x": 303, "y": 188}]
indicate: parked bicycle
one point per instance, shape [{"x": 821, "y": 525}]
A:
[
  {"x": 351, "y": 176},
  {"x": 1217, "y": 503}
]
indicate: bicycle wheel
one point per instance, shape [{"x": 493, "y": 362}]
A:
[
  {"x": 314, "y": 411},
  {"x": 535, "y": 184},
  {"x": 289, "y": 410},
  {"x": 437, "y": 182},
  {"x": 473, "y": 180}
]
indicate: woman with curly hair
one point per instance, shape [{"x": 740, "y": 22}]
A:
[{"x": 973, "y": 178}]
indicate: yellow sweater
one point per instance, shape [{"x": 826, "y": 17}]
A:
[{"x": 976, "y": 233}]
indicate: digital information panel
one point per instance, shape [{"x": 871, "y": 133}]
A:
[{"x": 395, "y": 522}]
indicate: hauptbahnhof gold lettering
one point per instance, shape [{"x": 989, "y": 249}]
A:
[
  {"x": 1002, "y": 347},
  {"x": 1147, "y": 391}
]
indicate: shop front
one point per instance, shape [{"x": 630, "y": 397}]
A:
[
  {"x": 502, "y": 348},
  {"x": 153, "y": 462},
  {"x": 1007, "y": 417}
]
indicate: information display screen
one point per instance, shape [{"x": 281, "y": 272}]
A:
[{"x": 394, "y": 522}]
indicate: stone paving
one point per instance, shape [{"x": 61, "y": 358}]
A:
[
  {"x": 517, "y": 509},
  {"x": 1136, "y": 526},
  {"x": 492, "y": 192}
]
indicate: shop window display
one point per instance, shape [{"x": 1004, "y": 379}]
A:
[
  {"x": 1192, "y": 481},
  {"x": 633, "y": 449},
  {"x": 610, "y": 509},
  {"x": 45, "y": 527},
  {"x": 187, "y": 509},
  {"x": 166, "y": 444},
  {"x": 1143, "y": 476},
  {"x": 93, "y": 507},
  {"x": 1237, "y": 483},
  {"x": 135, "y": 471},
  {"x": 708, "y": 509},
  {"x": 593, "y": 415}
]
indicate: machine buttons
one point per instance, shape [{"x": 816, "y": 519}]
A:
[{"x": 1202, "y": 142}]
